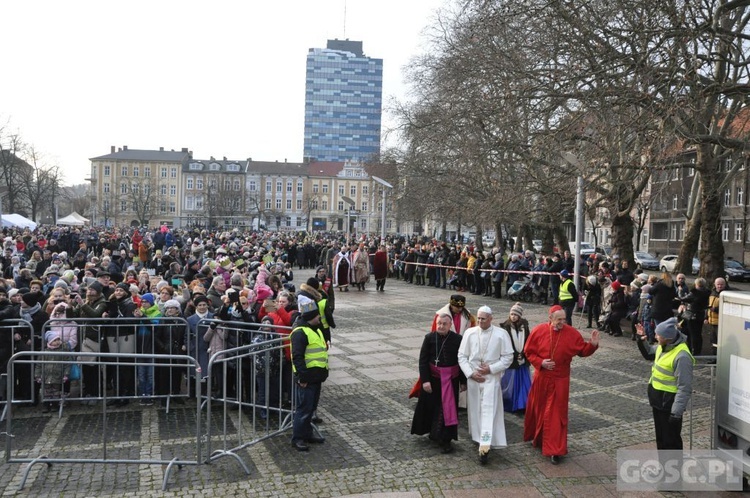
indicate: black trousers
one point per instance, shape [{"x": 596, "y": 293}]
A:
[{"x": 667, "y": 433}]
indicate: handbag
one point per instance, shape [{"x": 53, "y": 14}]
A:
[{"x": 75, "y": 372}]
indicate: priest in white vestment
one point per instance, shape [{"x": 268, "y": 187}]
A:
[{"x": 485, "y": 353}]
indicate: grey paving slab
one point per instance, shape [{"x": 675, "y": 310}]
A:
[{"x": 367, "y": 416}]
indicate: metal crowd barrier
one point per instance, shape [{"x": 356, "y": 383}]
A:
[
  {"x": 253, "y": 380},
  {"x": 162, "y": 336},
  {"x": 61, "y": 359},
  {"x": 23, "y": 380}
]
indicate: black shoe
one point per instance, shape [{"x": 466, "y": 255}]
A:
[
  {"x": 618, "y": 334},
  {"x": 300, "y": 446},
  {"x": 46, "y": 407},
  {"x": 317, "y": 420},
  {"x": 554, "y": 459},
  {"x": 484, "y": 458},
  {"x": 446, "y": 448},
  {"x": 315, "y": 440}
]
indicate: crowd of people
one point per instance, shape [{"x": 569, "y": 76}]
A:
[{"x": 217, "y": 281}]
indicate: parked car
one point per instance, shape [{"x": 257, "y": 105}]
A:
[
  {"x": 586, "y": 249},
  {"x": 537, "y": 243},
  {"x": 606, "y": 251},
  {"x": 647, "y": 261},
  {"x": 735, "y": 271},
  {"x": 669, "y": 262}
]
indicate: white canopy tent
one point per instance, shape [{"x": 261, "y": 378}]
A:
[
  {"x": 17, "y": 221},
  {"x": 73, "y": 219}
]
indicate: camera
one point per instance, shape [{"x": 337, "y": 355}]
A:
[{"x": 234, "y": 297}]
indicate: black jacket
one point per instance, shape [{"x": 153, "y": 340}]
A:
[{"x": 299, "y": 342}]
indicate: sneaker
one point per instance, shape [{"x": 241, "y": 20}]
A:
[
  {"x": 142, "y": 401},
  {"x": 149, "y": 402}
]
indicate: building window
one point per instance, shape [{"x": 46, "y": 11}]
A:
[
  {"x": 136, "y": 171},
  {"x": 674, "y": 202},
  {"x": 341, "y": 190},
  {"x": 278, "y": 203},
  {"x": 163, "y": 206},
  {"x": 173, "y": 173},
  {"x": 253, "y": 186},
  {"x": 268, "y": 186},
  {"x": 199, "y": 184},
  {"x": 164, "y": 172},
  {"x": 341, "y": 205},
  {"x": 199, "y": 202},
  {"x": 288, "y": 204},
  {"x": 725, "y": 232},
  {"x": 124, "y": 171},
  {"x": 325, "y": 188},
  {"x": 189, "y": 202},
  {"x": 289, "y": 186},
  {"x": 147, "y": 171},
  {"x": 299, "y": 204},
  {"x": 172, "y": 207},
  {"x": 106, "y": 170},
  {"x": 324, "y": 205},
  {"x": 740, "y": 196},
  {"x": 644, "y": 237},
  {"x": 315, "y": 188},
  {"x": 299, "y": 222},
  {"x": 353, "y": 190},
  {"x": 173, "y": 190},
  {"x": 163, "y": 190},
  {"x": 268, "y": 203},
  {"x": 738, "y": 232},
  {"x": 106, "y": 188},
  {"x": 124, "y": 206},
  {"x": 299, "y": 186},
  {"x": 123, "y": 188},
  {"x": 190, "y": 183},
  {"x": 727, "y": 197},
  {"x": 236, "y": 185},
  {"x": 278, "y": 187},
  {"x": 227, "y": 185},
  {"x": 364, "y": 205},
  {"x": 365, "y": 190},
  {"x": 288, "y": 221},
  {"x": 673, "y": 232},
  {"x": 314, "y": 205},
  {"x": 682, "y": 231}
]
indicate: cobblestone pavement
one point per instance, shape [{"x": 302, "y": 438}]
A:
[{"x": 367, "y": 416}]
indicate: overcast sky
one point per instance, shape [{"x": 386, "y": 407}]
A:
[{"x": 223, "y": 78}]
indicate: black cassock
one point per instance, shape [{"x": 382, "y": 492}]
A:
[{"x": 428, "y": 415}]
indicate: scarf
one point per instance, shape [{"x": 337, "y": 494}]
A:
[{"x": 30, "y": 311}]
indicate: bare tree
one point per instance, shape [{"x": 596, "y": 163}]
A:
[{"x": 40, "y": 182}]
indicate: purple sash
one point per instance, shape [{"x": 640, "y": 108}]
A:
[{"x": 445, "y": 374}]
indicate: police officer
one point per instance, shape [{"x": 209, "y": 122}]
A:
[
  {"x": 310, "y": 366},
  {"x": 568, "y": 296}
]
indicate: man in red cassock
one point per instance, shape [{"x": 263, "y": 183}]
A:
[{"x": 550, "y": 348}]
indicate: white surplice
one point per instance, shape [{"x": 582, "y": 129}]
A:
[{"x": 485, "y": 399}]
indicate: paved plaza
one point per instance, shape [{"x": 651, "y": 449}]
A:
[{"x": 367, "y": 417}]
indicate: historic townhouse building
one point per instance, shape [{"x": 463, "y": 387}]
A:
[
  {"x": 136, "y": 187},
  {"x": 155, "y": 187}
]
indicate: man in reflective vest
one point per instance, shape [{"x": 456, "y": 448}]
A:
[
  {"x": 568, "y": 296},
  {"x": 310, "y": 366},
  {"x": 671, "y": 382}
]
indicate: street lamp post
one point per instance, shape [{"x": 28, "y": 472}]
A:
[
  {"x": 574, "y": 161},
  {"x": 382, "y": 223},
  {"x": 351, "y": 203}
]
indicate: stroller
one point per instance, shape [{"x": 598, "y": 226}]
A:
[{"x": 522, "y": 289}]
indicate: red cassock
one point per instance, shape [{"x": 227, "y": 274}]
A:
[{"x": 546, "y": 420}]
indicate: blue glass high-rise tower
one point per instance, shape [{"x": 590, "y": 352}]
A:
[{"x": 343, "y": 103}]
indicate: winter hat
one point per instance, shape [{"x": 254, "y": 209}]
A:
[
  {"x": 149, "y": 298},
  {"x": 50, "y": 336},
  {"x": 646, "y": 289},
  {"x": 123, "y": 286},
  {"x": 565, "y": 273},
  {"x": 309, "y": 311},
  {"x": 668, "y": 329},
  {"x": 161, "y": 285},
  {"x": 68, "y": 275},
  {"x": 616, "y": 285},
  {"x": 200, "y": 298},
  {"x": 12, "y": 292},
  {"x": 263, "y": 293},
  {"x": 516, "y": 309},
  {"x": 62, "y": 284},
  {"x": 96, "y": 286},
  {"x": 172, "y": 303},
  {"x": 313, "y": 282},
  {"x": 31, "y": 298},
  {"x": 592, "y": 280}
]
